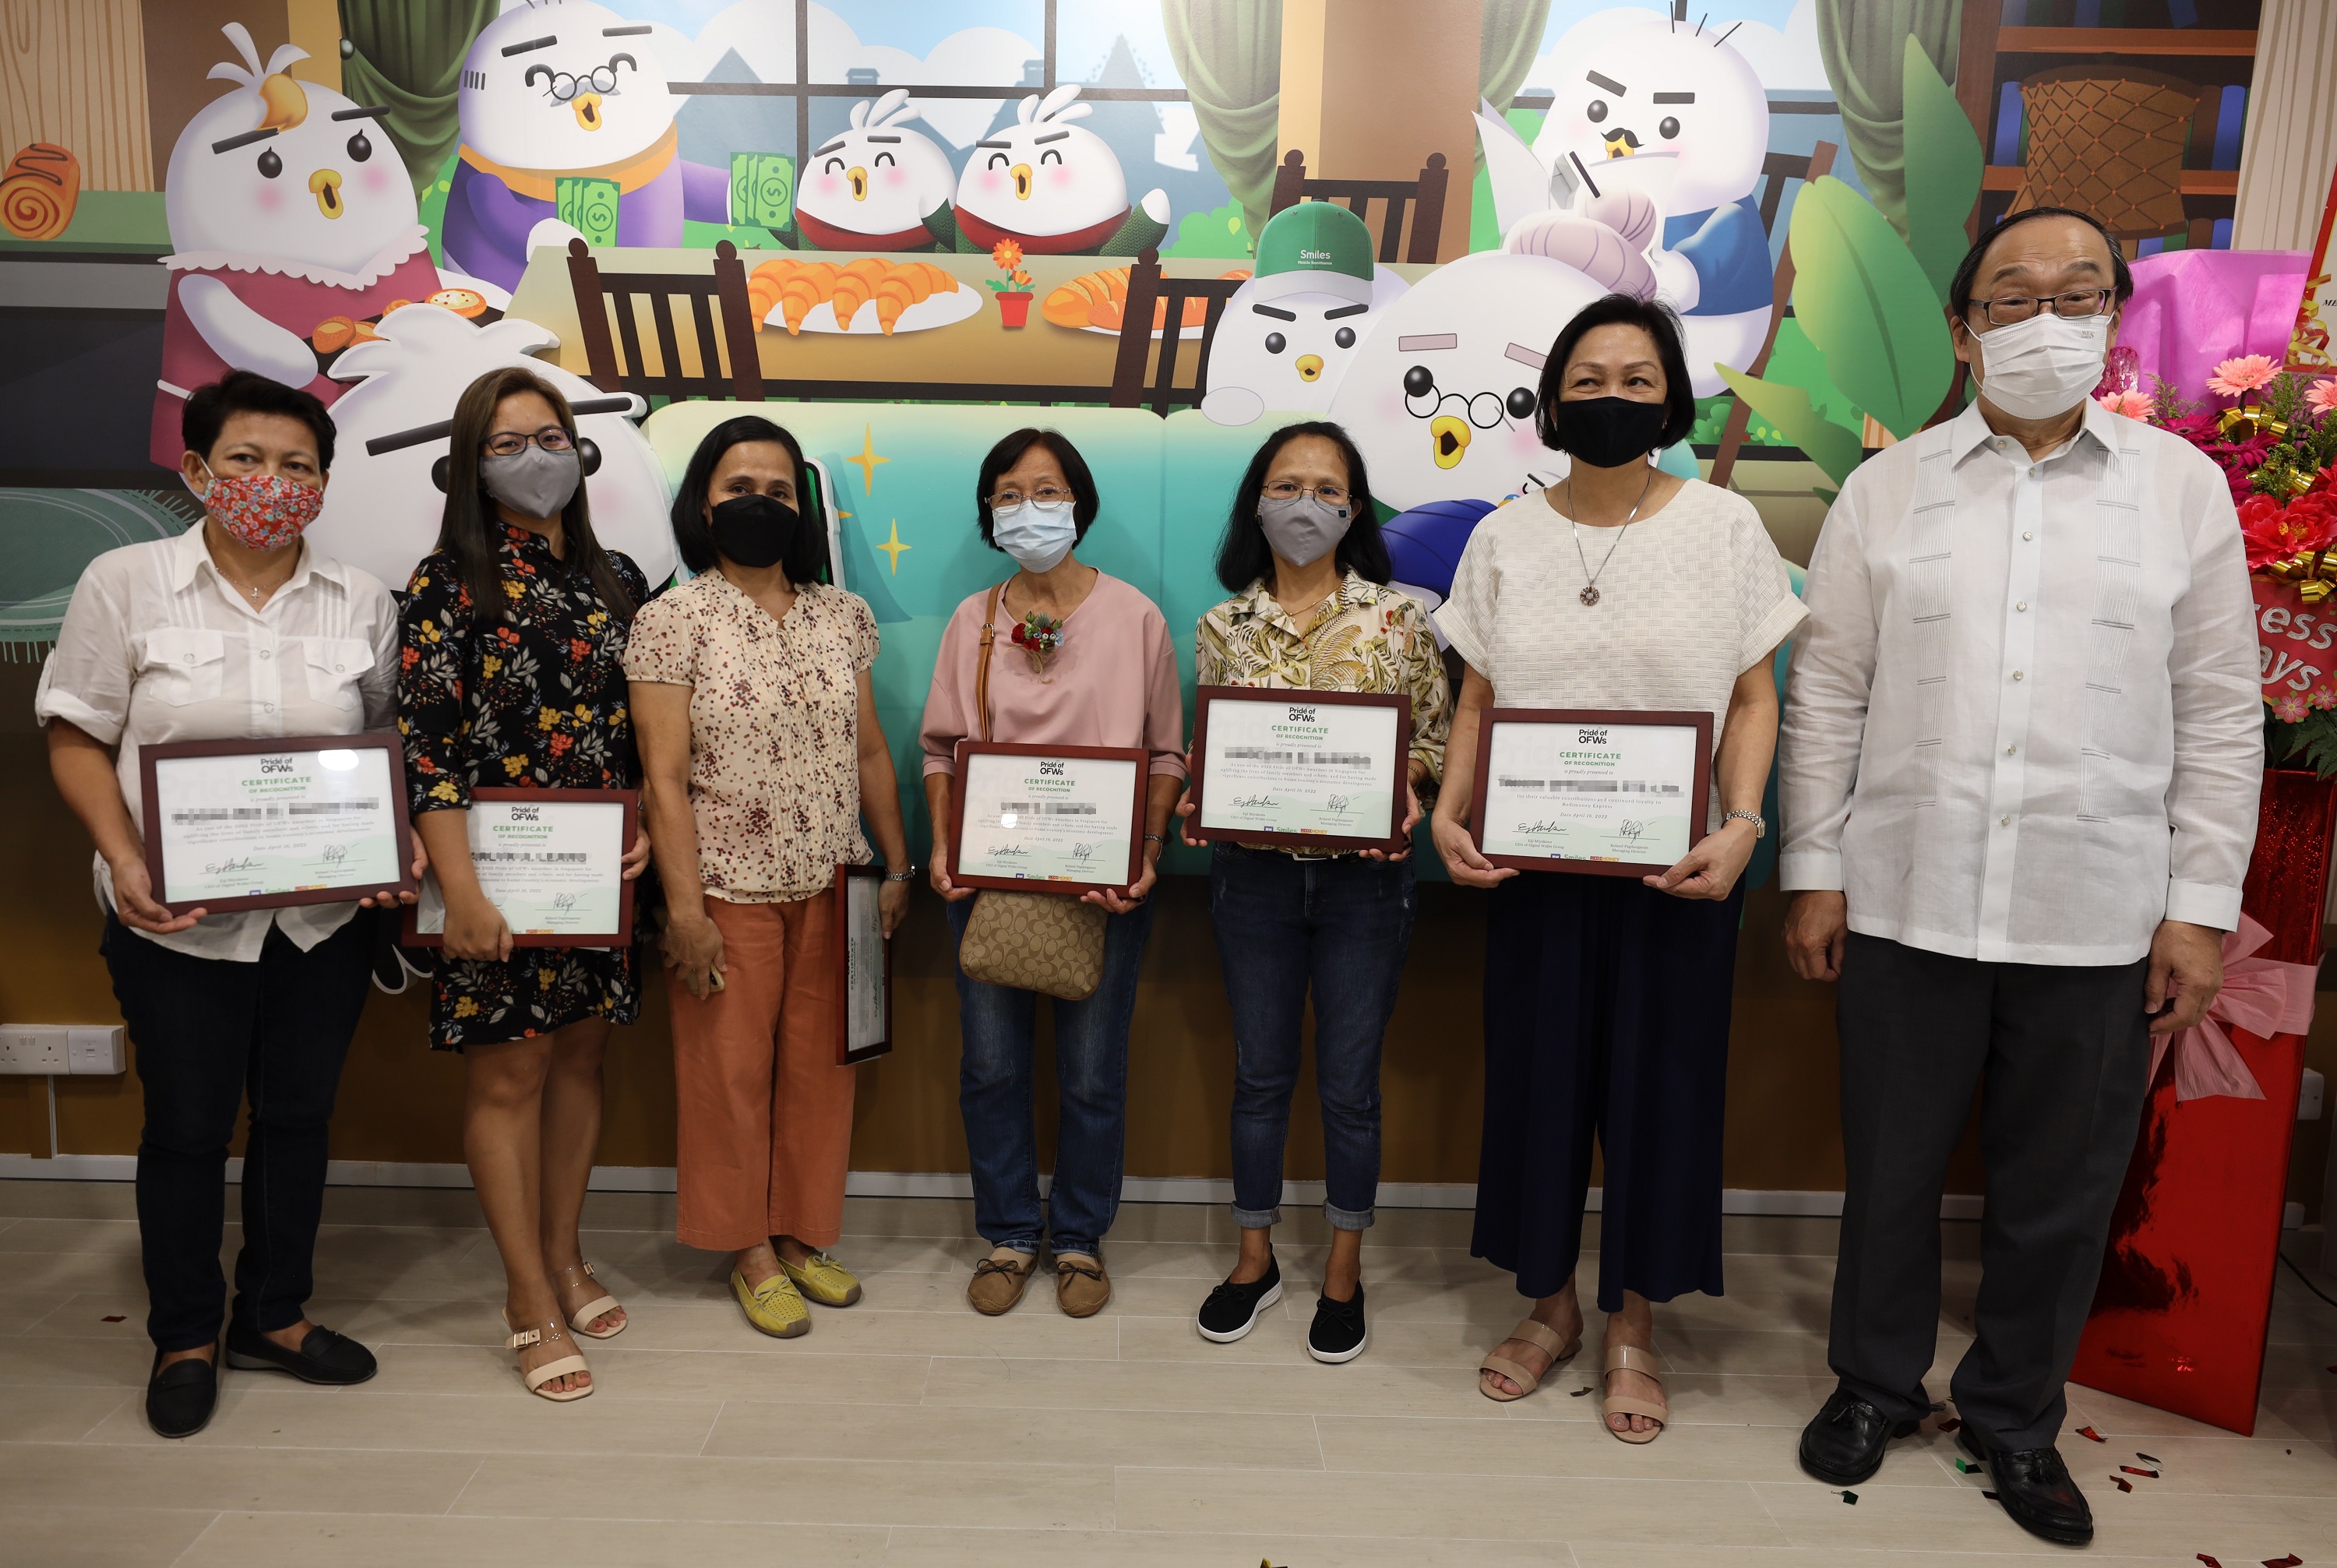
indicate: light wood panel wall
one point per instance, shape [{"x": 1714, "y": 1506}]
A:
[
  {"x": 2291, "y": 144},
  {"x": 74, "y": 71}
]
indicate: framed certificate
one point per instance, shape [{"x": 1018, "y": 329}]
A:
[
  {"x": 864, "y": 967},
  {"x": 1303, "y": 769},
  {"x": 1617, "y": 793},
  {"x": 551, "y": 860},
  {"x": 263, "y": 823},
  {"x": 1048, "y": 818}
]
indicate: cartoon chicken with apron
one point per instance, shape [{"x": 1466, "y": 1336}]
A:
[
  {"x": 878, "y": 186},
  {"x": 1053, "y": 188},
  {"x": 292, "y": 220}
]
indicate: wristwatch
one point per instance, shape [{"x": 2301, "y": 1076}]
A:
[
  {"x": 1760, "y": 825},
  {"x": 908, "y": 876}
]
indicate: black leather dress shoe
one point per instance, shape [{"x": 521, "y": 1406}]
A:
[
  {"x": 1843, "y": 1443},
  {"x": 2035, "y": 1488},
  {"x": 324, "y": 1357},
  {"x": 181, "y": 1397}
]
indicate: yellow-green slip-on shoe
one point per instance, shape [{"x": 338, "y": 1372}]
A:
[
  {"x": 824, "y": 1280},
  {"x": 773, "y": 1306}
]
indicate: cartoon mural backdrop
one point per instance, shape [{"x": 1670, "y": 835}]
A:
[{"x": 937, "y": 203}]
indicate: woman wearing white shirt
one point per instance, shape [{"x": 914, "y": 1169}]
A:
[
  {"x": 234, "y": 629},
  {"x": 1607, "y": 999}
]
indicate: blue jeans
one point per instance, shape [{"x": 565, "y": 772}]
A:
[
  {"x": 993, "y": 1094},
  {"x": 1343, "y": 926}
]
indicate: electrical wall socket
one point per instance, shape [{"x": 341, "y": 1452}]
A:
[
  {"x": 61, "y": 1049},
  {"x": 2308, "y": 1097}
]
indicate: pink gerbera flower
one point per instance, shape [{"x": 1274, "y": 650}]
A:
[
  {"x": 2242, "y": 375},
  {"x": 2130, "y": 403},
  {"x": 2289, "y": 709},
  {"x": 2323, "y": 697},
  {"x": 2322, "y": 396}
]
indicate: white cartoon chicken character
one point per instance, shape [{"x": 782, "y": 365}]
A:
[
  {"x": 876, "y": 186},
  {"x": 288, "y": 207},
  {"x": 1053, "y": 188}
]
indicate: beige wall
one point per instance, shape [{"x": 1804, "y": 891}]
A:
[{"x": 2291, "y": 145}]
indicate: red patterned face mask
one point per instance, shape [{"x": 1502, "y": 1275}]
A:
[{"x": 263, "y": 511}]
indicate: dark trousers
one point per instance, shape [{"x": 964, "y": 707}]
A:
[
  {"x": 207, "y": 1032},
  {"x": 2059, "y": 1055},
  {"x": 1340, "y": 928},
  {"x": 1606, "y": 1019}
]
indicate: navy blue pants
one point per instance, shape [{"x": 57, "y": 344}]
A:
[
  {"x": 1340, "y": 927},
  {"x": 210, "y": 1033},
  {"x": 1605, "y": 1019}
]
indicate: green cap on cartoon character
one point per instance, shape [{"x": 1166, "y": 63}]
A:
[{"x": 1314, "y": 248}]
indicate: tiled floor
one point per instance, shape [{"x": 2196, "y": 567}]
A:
[{"x": 909, "y": 1430}]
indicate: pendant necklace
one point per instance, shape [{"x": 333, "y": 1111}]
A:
[{"x": 1590, "y": 595}]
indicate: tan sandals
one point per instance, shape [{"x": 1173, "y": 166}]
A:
[
  {"x": 1534, "y": 1333},
  {"x": 582, "y": 1318},
  {"x": 537, "y": 1377},
  {"x": 1631, "y": 1358}
]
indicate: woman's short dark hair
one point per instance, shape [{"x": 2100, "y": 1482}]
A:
[
  {"x": 1622, "y": 311},
  {"x": 210, "y": 406},
  {"x": 1008, "y": 452},
  {"x": 1244, "y": 556},
  {"x": 806, "y": 560},
  {"x": 1959, "y": 288}
]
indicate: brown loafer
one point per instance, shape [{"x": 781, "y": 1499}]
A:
[
  {"x": 1081, "y": 1288},
  {"x": 999, "y": 1280}
]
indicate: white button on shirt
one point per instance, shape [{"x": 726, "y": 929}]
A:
[
  {"x": 156, "y": 646},
  {"x": 2023, "y": 723}
]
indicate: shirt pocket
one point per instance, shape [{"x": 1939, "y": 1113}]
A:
[
  {"x": 184, "y": 664},
  {"x": 336, "y": 667}
]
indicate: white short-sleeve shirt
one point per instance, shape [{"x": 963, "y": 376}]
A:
[
  {"x": 1690, "y": 598},
  {"x": 156, "y": 646}
]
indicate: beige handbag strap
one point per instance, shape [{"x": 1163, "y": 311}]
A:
[{"x": 982, "y": 669}]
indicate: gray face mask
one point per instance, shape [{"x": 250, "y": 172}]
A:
[
  {"x": 533, "y": 482},
  {"x": 1302, "y": 529}
]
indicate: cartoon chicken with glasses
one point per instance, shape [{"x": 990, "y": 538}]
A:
[
  {"x": 567, "y": 121},
  {"x": 288, "y": 207},
  {"x": 1053, "y": 188}
]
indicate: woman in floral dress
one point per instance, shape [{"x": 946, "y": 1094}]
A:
[{"x": 514, "y": 632}]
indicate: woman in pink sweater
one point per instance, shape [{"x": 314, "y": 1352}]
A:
[{"x": 1108, "y": 679}]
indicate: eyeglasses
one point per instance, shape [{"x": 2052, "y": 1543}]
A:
[
  {"x": 510, "y": 443},
  {"x": 603, "y": 80},
  {"x": 1288, "y": 490},
  {"x": 1045, "y": 495},
  {"x": 2016, "y": 308}
]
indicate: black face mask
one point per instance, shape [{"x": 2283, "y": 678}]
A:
[
  {"x": 755, "y": 530},
  {"x": 1607, "y": 432}
]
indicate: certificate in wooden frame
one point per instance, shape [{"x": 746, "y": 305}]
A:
[
  {"x": 855, "y": 969},
  {"x": 622, "y": 936},
  {"x": 1391, "y": 840},
  {"x": 969, "y": 749},
  {"x": 150, "y": 758},
  {"x": 1699, "y": 797}
]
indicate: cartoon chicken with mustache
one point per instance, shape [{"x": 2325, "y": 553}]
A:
[
  {"x": 291, "y": 219},
  {"x": 567, "y": 121}
]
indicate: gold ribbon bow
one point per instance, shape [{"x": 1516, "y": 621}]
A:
[{"x": 2314, "y": 571}]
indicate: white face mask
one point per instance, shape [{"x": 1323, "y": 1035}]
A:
[
  {"x": 1037, "y": 533},
  {"x": 2044, "y": 365}
]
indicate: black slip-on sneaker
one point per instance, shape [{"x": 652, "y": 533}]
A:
[
  {"x": 1338, "y": 1332},
  {"x": 324, "y": 1357},
  {"x": 1232, "y": 1311},
  {"x": 181, "y": 1397}
]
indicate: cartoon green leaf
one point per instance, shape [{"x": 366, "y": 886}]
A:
[
  {"x": 1828, "y": 445},
  {"x": 1943, "y": 170},
  {"x": 1865, "y": 302}
]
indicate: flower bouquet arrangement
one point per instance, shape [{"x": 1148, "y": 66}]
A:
[
  {"x": 1015, "y": 289},
  {"x": 2275, "y": 444},
  {"x": 1037, "y": 635}
]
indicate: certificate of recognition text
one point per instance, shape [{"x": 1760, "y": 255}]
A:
[
  {"x": 1275, "y": 762},
  {"x": 1048, "y": 818},
  {"x": 554, "y": 867},
  {"x": 1592, "y": 791},
  {"x": 261, "y": 824}
]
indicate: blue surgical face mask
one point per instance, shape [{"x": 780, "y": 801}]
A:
[{"x": 1037, "y": 533}]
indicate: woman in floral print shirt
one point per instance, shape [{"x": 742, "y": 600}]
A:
[
  {"x": 514, "y": 677},
  {"x": 1312, "y": 611}
]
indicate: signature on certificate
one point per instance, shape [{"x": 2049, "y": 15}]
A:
[{"x": 237, "y": 863}]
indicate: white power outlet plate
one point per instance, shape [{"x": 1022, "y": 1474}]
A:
[
  {"x": 59, "y": 1049},
  {"x": 2308, "y": 1097}
]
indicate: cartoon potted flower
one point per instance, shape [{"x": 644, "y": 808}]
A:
[{"x": 1015, "y": 289}]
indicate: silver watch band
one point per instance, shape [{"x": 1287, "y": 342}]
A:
[{"x": 1760, "y": 823}]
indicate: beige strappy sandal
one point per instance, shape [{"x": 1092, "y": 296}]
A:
[
  {"x": 1631, "y": 1358},
  {"x": 537, "y": 1377},
  {"x": 1534, "y": 1333},
  {"x": 582, "y": 1318}
]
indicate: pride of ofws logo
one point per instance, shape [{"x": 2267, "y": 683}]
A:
[
  {"x": 1591, "y": 736},
  {"x": 527, "y": 813},
  {"x": 1301, "y": 715},
  {"x": 1051, "y": 767},
  {"x": 275, "y": 764}
]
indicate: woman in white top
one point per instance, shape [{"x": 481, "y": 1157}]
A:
[
  {"x": 1607, "y": 998},
  {"x": 234, "y": 629}
]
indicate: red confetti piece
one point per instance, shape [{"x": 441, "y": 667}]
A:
[
  {"x": 1579, "y": 1392},
  {"x": 2136, "y": 1470},
  {"x": 114, "y": 1317},
  {"x": 1949, "y": 1424},
  {"x": 2122, "y": 1484},
  {"x": 2210, "y": 1562},
  {"x": 2291, "y": 1561},
  {"x": 2090, "y": 1433}
]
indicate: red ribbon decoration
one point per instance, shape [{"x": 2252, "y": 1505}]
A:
[{"x": 2262, "y": 995}]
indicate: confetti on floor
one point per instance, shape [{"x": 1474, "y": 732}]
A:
[
  {"x": 1849, "y": 1497},
  {"x": 1579, "y": 1392},
  {"x": 2148, "y": 1459},
  {"x": 112, "y": 1318},
  {"x": 1949, "y": 1424},
  {"x": 1990, "y": 1495},
  {"x": 1966, "y": 1467},
  {"x": 2088, "y": 1432},
  {"x": 2122, "y": 1484},
  {"x": 2137, "y": 1470},
  {"x": 2291, "y": 1561},
  {"x": 2210, "y": 1562}
]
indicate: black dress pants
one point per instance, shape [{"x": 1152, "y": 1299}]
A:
[
  {"x": 207, "y": 1032},
  {"x": 2059, "y": 1055}
]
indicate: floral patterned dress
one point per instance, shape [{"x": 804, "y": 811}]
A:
[{"x": 536, "y": 702}]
